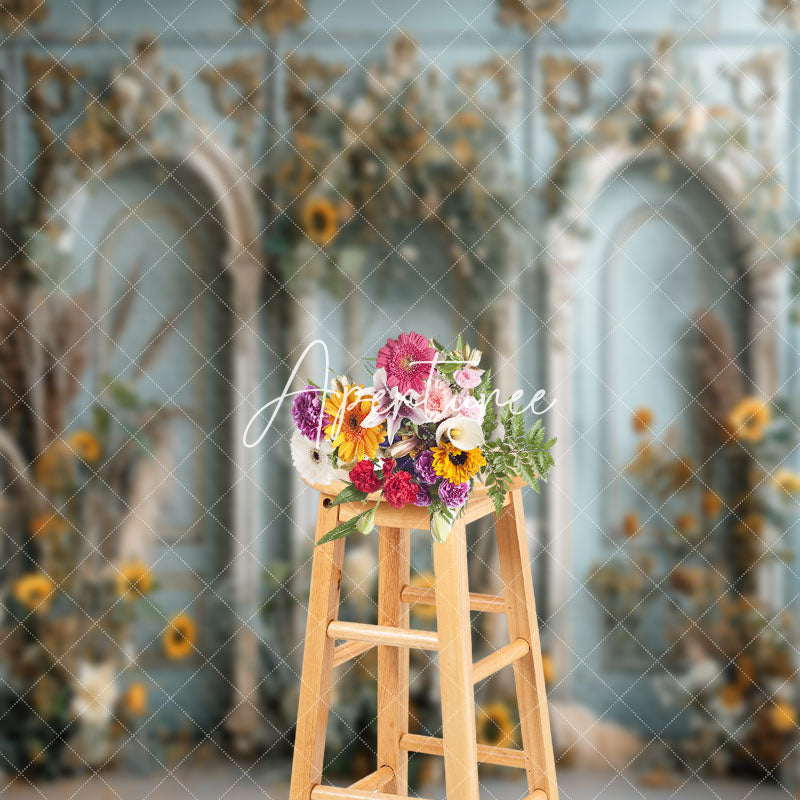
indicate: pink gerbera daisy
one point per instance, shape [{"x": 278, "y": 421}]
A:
[{"x": 408, "y": 361}]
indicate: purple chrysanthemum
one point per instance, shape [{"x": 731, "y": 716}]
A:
[
  {"x": 306, "y": 412},
  {"x": 423, "y": 466},
  {"x": 453, "y": 495},
  {"x": 423, "y": 496}
]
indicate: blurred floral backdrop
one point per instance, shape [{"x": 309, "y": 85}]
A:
[{"x": 601, "y": 196}]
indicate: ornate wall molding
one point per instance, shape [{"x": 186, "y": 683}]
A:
[
  {"x": 144, "y": 119},
  {"x": 16, "y": 15},
  {"x": 786, "y": 12},
  {"x": 236, "y": 89},
  {"x": 273, "y": 16},
  {"x": 661, "y": 121},
  {"x": 531, "y": 15}
]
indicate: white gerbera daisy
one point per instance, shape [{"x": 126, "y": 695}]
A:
[{"x": 312, "y": 462}]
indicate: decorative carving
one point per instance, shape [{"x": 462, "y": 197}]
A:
[
  {"x": 141, "y": 94},
  {"x": 273, "y": 16},
  {"x": 50, "y": 86},
  {"x": 15, "y": 15},
  {"x": 235, "y": 91},
  {"x": 531, "y": 15},
  {"x": 567, "y": 93},
  {"x": 785, "y": 11},
  {"x": 308, "y": 79},
  {"x": 503, "y": 73},
  {"x": 755, "y": 88}
]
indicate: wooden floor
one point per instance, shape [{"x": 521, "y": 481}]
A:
[{"x": 231, "y": 783}]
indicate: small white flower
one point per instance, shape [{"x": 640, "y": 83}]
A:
[
  {"x": 461, "y": 431},
  {"x": 96, "y": 691},
  {"x": 312, "y": 462}
]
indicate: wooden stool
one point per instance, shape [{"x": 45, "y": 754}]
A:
[{"x": 452, "y": 640}]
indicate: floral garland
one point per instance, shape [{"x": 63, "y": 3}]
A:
[{"x": 421, "y": 435}]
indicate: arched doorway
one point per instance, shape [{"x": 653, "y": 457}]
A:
[{"x": 647, "y": 263}]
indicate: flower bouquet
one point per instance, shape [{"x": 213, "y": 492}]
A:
[{"x": 423, "y": 434}]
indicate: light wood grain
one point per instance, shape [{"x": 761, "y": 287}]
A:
[
  {"x": 394, "y": 572},
  {"x": 479, "y": 505},
  {"x": 455, "y": 665},
  {"x": 383, "y": 635},
  {"x": 426, "y": 596},
  {"x": 528, "y": 671},
  {"x": 335, "y": 793},
  {"x": 537, "y": 794},
  {"x": 502, "y": 657},
  {"x": 376, "y": 781},
  {"x": 315, "y": 681},
  {"x": 349, "y": 650},
  {"x": 487, "y": 753}
]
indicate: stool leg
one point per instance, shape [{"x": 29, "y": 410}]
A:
[
  {"x": 528, "y": 671},
  {"x": 315, "y": 683},
  {"x": 393, "y": 573},
  {"x": 455, "y": 665}
]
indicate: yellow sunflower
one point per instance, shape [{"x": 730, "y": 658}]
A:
[
  {"x": 320, "y": 220},
  {"x": 48, "y": 523},
  {"x": 85, "y": 445},
  {"x": 685, "y": 523},
  {"x": 135, "y": 699},
  {"x": 749, "y": 419},
  {"x": 783, "y": 716},
  {"x": 548, "y": 668},
  {"x": 34, "y": 591},
  {"x": 787, "y": 481},
  {"x": 134, "y": 579},
  {"x": 731, "y": 695},
  {"x": 642, "y": 419},
  {"x": 495, "y": 726},
  {"x": 423, "y": 610},
  {"x": 454, "y": 465},
  {"x": 631, "y": 524},
  {"x": 54, "y": 468},
  {"x": 347, "y": 409},
  {"x": 712, "y": 504},
  {"x": 179, "y": 638}
]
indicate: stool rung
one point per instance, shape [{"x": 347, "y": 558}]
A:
[
  {"x": 422, "y": 595},
  {"x": 537, "y": 794},
  {"x": 487, "y": 753},
  {"x": 344, "y": 652},
  {"x": 375, "y": 781},
  {"x": 502, "y": 657},
  {"x": 320, "y": 792},
  {"x": 383, "y": 635}
]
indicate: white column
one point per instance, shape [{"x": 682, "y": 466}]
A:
[
  {"x": 561, "y": 261},
  {"x": 245, "y": 722}
]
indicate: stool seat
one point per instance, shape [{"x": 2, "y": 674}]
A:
[
  {"x": 451, "y": 642},
  {"x": 413, "y": 517}
]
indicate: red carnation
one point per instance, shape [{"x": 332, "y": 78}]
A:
[
  {"x": 399, "y": 490},
  {"x": 364, "y": 478},
  {"x": 388, "y": 467}
]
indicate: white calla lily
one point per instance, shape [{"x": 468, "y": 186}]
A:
[
  {"x": 440, "y": 528},
  {"x": 463, "y": 432}
]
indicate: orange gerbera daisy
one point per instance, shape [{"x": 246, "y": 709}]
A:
[{"x": 347, "y": 410}]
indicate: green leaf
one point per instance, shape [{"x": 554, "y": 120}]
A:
[
  {"x": 348, "y": 495},
  {"x": 345, "y": 529}
]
